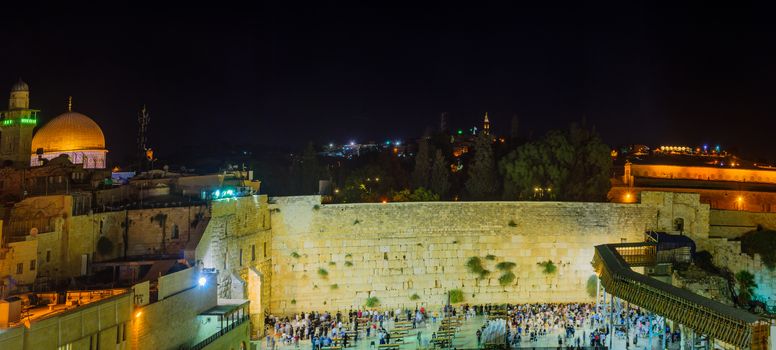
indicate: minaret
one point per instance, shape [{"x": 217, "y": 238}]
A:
[
  {"x": 486, "y": 125},
  {"x": 16, "y": 125}
]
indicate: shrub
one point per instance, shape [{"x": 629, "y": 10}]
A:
[
  {"x": 505, "y": 266},
  {"x": 512, "y": 223},
  {"x": 316, "y": 207},
  {"x": 474, "y": 265},
  {"x": 490, "y": 257},
  {"x": 331, "y": 263},
  {"x": 295, "y": 255},
  {"x": 293, "y": 301},
  {"x": 323, "y": 273},
  {"x": 548, "y": 267},
  {"x": 348, "y": 264},
  {"x": 592, "y": 286},
  {"x": 334, "y": 286},
  {"x": 372, "y": 302},
  {"x": 348, "y": 256},
  {"x": 415, "y": 297},
  {"x": 506, "y": 279},
  {"x": 455, "y": 296},
  {"x": 356, "y": 222}
]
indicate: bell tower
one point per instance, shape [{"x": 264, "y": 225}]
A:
[{"x": 16, "y": 126}]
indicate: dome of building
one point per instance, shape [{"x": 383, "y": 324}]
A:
[
  {"x": 20, "y": 86},
  {"x": 69, "y": 132}
]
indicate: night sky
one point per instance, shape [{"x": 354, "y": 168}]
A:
[{"x": 278, "y": 77}]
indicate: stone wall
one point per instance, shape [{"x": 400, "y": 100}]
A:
[
  {"x": 727, "y": 254},
  {"x": 734, "y": 223},
  {"x": 392, "y": 251}
]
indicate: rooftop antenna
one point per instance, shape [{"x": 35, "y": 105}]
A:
[
  {"x": 70, "y": 103},
  {"x": 143, "y": 119}
]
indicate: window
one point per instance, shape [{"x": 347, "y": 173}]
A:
[
  {"x": 19, "y": 268},
  {"x": 32, "y": 265},
  {"x": 48, "y": 255},
  {"x": 253, "y": 252}
]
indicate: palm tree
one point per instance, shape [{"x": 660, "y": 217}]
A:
[{"x": 746, "y": 286}]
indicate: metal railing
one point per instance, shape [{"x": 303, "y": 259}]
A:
[{"x": 228, "y": 328}]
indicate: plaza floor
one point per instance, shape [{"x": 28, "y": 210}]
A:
[{"x": 465, "y": 338}]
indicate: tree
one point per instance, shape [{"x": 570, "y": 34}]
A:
[
  {"x": 440, "y": 175},
  {"x": 310, "y": 170},
  {"x": 482, "y": 182},
  {"x": 746, "y": 286},
  {"x": 570, "y": 165},
  {"x": 422, "y": 172}
]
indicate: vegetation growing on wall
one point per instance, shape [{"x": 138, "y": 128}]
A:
[
  {"x": 323, "y": 273},
  {"x": 455, "y": 296},
  {"x": 316, "y": 207},
  {"x": 474, "y": 265},
  {"x": 334, "y": 286},
  {"x": 592, "y": 286},
  {"x": 332, "y": 263},
  {"x": 372, "y": 302},
  {"x": 293, "y": 301},
  {"x": 506, "y": 278},
  {"x": 512, "y": 223},
  {"x": 505, "y": 266},
  {"x": 490, "y": 257},
  {"x": 295, "y": 255},
  {"x": 348, "y": 264},
  {"x": 415, "y": 297},
  {"x": 548, "y": 267}
]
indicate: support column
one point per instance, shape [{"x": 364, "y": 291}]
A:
[
  {"x": 681, "y": 337},
  {"x": 663, "y": 332},
  {"x": 597, "y": 293},
  {"x": 611, "y": 322}
]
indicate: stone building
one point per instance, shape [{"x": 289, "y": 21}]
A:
[
  {"x": 73, "y": 134},
  {"x": 16, "y": 125}
]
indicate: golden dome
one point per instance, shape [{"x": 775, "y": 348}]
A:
[{"x": 70, "y": 131}]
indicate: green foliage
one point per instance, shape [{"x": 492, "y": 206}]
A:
[
  {"x": 474, "y": 265},
  {"x": 761, "y": 242},
  {"x": 348, "y": 264},
  {"x": 295, "y": 255},
  {"x": 592, "y": 286},
  {"x": 505, "y": 266},
  {"x": 512, "y": 223},
  {"x": 332, "y": 263},
  {"x": 356, "y": 222},
  {"x": 746, "y": 286},
  {"x": 315, "y": 286},
  {"x": 415, "y": 297},
  {"x": 490, "y": 257},
  {"x": 323, "y": 273},
  {"x": 317, "y": 207},
  {"x": 104, "y": 246},
  {"x": 419, "y": 195},
  {"x": 348, "y": 256},
  {"x": 334, "y": 286},
  {"x": 440, "y": 175},
  {"x": 422, "y": 171},
  {"x": 293, "y": 301},
  {"x": 482, "y": 183},
  {"x": 506, "y": 278},
  {"x": 573, "y": 164},
  {"x": 548, "y": 267},
  {"x": 455, "y": 296},
  {"x": 372, "y": 302}
]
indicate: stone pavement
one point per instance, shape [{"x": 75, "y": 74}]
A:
[{"x": 465, "y": 338}]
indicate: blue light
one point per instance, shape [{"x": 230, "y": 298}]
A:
[
  {"x": 397, "y": 143},
  {"x": 202, "y": 281},
  {"x": 217, "y": 194}
]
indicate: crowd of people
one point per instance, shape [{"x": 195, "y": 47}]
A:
[{"x": 574, "y": 324}]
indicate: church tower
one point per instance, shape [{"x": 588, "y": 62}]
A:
[
  {"x": 16, "y": 125},
  {"x": 486, "y": 125}
]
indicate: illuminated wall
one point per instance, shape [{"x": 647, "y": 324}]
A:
[
  {"x": 91, "y": 159},
  {"x": 703, "y": 173}
]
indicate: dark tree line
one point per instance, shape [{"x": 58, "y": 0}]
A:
[{"x": 572, "y": 164}]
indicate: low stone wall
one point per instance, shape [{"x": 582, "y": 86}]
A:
[{"x": 727, "y": 254}]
